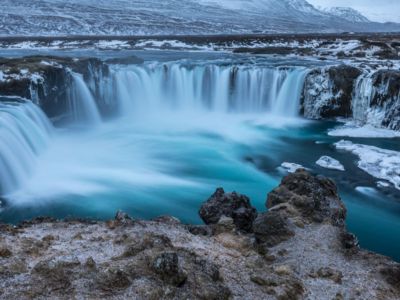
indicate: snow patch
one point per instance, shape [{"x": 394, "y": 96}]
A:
[
  {"x": 330, "y": 163},
  {"x": 379, "y": 163},
  {"x": 367, "y": 131},
  {"x": 291, "y": 167}
]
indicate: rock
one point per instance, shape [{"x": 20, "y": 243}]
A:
[
  {"x": 263, "y": 281},
  {"x": 225, "y": 224},
  {"x": 123, "y": 219},
  {"x": 315, "y": 197},
  {"x": 203, "y": 230},
  {"x": 56, "y": 274},
  {"x": 386, "y": 97},
  {"x": 349, "y": 241},
  {"x": 271, "y": 228},
  {"x": 5, "y": 252},
  {"x": 113, "y": 279},
  {"x": 283, "y": 270},
  {"x": 391, "y": 273},
  {"x": 167, "y": 220},
  {"x": 90, "y": 263},
  {"x": 167, "y": 266},
  {"x": 329, "y": 273},
  {"x": 328, "y": 92},
  {"x": 231, "y": 205}
]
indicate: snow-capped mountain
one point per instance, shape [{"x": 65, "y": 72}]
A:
[
  {"x": 348, "y": 13},
  {"x": 155, "y": 17}
]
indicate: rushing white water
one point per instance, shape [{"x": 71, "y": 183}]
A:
[
  {"x": 362, "y": 96},
  {"x": 239, "y": 89},
  {"x": 82, "y": 103},
  {"x": 24, "y": 134},
  {"x": 154, "y": 100}
]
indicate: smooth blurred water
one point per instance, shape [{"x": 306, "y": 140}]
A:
[
  {"x": 170, "y": 164},
  {"x": 168, "y": 157}
]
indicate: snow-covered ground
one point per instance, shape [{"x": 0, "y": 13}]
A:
[
  {"x": 157, "y": 17},
  {"x": 350, "y": 129},
  {"x": 379, "y": 163}
]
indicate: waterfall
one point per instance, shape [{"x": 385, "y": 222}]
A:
[
  {"x": 215, "y": 88},
  {"x": 287, "y": 101},
  {"x": 24, "y": 134},
  {"x": 362, "y": 96},
  {"x": 82, "y": 103}
]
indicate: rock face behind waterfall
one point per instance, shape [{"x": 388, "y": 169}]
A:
[
  {"x": 386, "y": 97},
  {"x": 47, "y": 80},
  {"x": 328, "y": 92},
  {"x": 299, "y": 249}
]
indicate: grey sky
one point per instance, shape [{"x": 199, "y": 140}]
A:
[{"x": 376, "y": 10}]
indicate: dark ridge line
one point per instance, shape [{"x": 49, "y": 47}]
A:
[{"x": 216, "y": 37}]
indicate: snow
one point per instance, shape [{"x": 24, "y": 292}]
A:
[
  {"x": 291, "y": 167},
  {"x": 379, "y": 163},
  {"x": 366, "y": 131},
  {"x": 383, "y": 184},
  {"x": 173, "y": 17},
  {"x": 330, "y": 163},
  {"x": 113, "y": 44}
]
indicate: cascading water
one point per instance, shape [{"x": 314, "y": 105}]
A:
[
  {"x": 82, "y": 103},
  {"x": 24, "y": 134},
  {"x": 362, "y": 96},
  {"x": 213, "y": 88}
]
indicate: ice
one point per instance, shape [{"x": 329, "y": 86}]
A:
[
  {"x": 291, "y": 167},
  {"x": 379, "y": 163},
  {"x": 330, "y": 163},
  {"x": 366, "y": 131}
]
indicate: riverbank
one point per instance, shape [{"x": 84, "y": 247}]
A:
[{"x": 299, "y": 249}]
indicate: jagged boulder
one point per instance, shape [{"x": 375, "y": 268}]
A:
[
  {"x": 232, "y": 205},
  {"x": 271, "y": 228},
  {"x": 168, "y": 267},
  {"x": 314, "y": 197}
]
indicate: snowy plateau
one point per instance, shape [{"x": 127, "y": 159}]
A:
[{"x": 156, "y": 17}]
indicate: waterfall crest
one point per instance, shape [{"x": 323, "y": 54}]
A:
[
  {"x": 82, "y": 103},
  {"x": 236, "y": 89},
  {"x": 24, "y": 133}
]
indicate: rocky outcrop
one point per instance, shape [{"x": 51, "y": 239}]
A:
[
  {"x": 299, "y": 249},
  {"x": 386, "y": 97},
  {"x": 328, "y": 92},
  {"x": 47, "y": 81},
  {"x": 315, "y": 198},
  {"x": 230, "y": 205}
]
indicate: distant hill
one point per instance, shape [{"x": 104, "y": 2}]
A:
[{"x": 154, "y": 17}]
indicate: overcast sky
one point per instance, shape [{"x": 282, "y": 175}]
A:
[{"x": 376, "y": 10}]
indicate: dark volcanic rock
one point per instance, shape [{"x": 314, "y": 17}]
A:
[
  {"x": 47, "y": 81},
  {"x": 231, "y": 205},
  {"x": 335, "y": 86},
  {"x": 392, "y": 275},
  {"x": 271, "y": 228},
  {"x": 315, "y": 197},
  {"x": 349, "y": 241},
  {"x": 387, "y": 97},
  {"x": 123, "y": 219},
  {"x": 167, "y": 266}
]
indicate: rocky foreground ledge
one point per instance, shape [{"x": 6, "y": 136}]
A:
[{"x": 299, "y": 249}]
